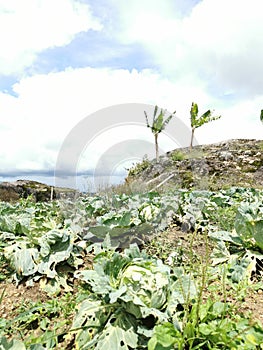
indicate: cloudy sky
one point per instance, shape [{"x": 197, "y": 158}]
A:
[{"x": 64, "y": 60}]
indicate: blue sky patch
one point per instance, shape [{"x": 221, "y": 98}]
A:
[{"x": 92, "y": 49}]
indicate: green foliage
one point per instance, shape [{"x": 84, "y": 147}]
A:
[
  {"x": 197, "y": 121},
  {"x": 177, "y": 156},
  {"x": 11, "y": 345},
  {"x": 129, "y": 299},
  {"x": 209, "y": 328},
  {"x": 129, "y": 294},
  {"x": 249, "y": 225},
  {"x": 243, "y": 247},
  {"x": 41, "y": 260},
  {"x": 158, "y": 122},
  {"x": 261, "y": 116},
  {"x": 158, "y": 125},
  {"x": 138, "y": 168}
]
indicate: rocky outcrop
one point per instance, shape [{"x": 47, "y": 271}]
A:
[
  {"x": 13, "y": 191},
  {"x": 236, "y": 162}
]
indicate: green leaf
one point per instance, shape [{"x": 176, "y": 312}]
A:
[
  {"x": 219, "y": 308},
  {"x": 100, "y": 283},
  {"x": 125, "y": 219},
  {"x": 114, "y": 267},
  {"x": 91, "y": 317},
  {"x": 118, "y": 232},
  {"x": 183, "y": 290},
  {"x": 206, "y": 117},
  {"x": 117, "y": 338},
  {"x": 238, "y": 269},
  {"x": 24, "y": 260},
  {"x": 167, "y": 120},
  {"x": 220, "y": 253},
  {"x": 55, "y": 247},
  {"x": 226, "y": 237},
  {"x": 36, "y": 347},
  {"x": 51, "y": 287},
  {"x": 155, "y": 112},
  {"x": 92, "y": 313},
  {"x": 257, "y": 233},
  {"x": 99, "y": 231},
  {"x": 158, "y": 125},
  {"x": 194, "y": 114},
  {"x": 164, "y": 337},
  {"x": 11, "y": 345},
  {"x": 134, "y": 252},
  {"x": 249, "y": 224},
  {"x": 148, "y": 283},
  {"x": 115, "y": 295},
  {"x": 206, "y": 328},
  {"x": 55, "y": 241}
]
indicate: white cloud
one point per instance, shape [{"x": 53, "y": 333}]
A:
[
  {"x": 47, "y": 107},
  {"x": 146, "y": 21},
  {"x": 211, "y": 56},
  {"x": 219, "y": 43},
  {"x": 34, "y": 124},
  {"x": 226, "y": 38},
  {"x": 29, "y": 27}
]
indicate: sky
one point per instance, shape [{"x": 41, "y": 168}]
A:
[{"x": 62, "y": 61}]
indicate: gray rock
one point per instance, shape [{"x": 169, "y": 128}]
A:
[
  {"x": 237, "y": 162},
  {"x": 225, "y": 155}
]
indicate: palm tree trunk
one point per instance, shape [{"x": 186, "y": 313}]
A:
[
  {"x": 192, "y": 138},
  {"x": 156, "y": 147}
]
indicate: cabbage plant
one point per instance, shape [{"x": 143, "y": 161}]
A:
[{"x": 128, "y": 294}]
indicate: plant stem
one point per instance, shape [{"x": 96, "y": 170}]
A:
[
  {"x": 156, "y": 147},
  {"x": 192, "y": 138}
]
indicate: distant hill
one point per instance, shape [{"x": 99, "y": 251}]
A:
[
  {"x": 237, "y": 162},
  {"x": 13, "y": 191}
]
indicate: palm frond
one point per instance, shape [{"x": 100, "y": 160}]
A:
[
  {"x": 147, "y": 121},
  {"x": 155, "y": 113},
  {"x": 167, "y": 120}
]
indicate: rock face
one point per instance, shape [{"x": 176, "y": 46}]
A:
[
  {"x": 13, "y": 191},
  {"x": 236, "y": 162}
]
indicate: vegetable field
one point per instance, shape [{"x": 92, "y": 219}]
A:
[{"x": 143, "y": 271}]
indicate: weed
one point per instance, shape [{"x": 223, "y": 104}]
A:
[
  {"x": 138, "y": 168},
  {"x": 177, "y": 156}
]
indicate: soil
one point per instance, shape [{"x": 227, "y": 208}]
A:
[{"x": 14, "y": 297}]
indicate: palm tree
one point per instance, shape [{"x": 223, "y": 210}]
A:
[
  {"x": 196, "y": 121},
  {"x": 158, "y": 125}
]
